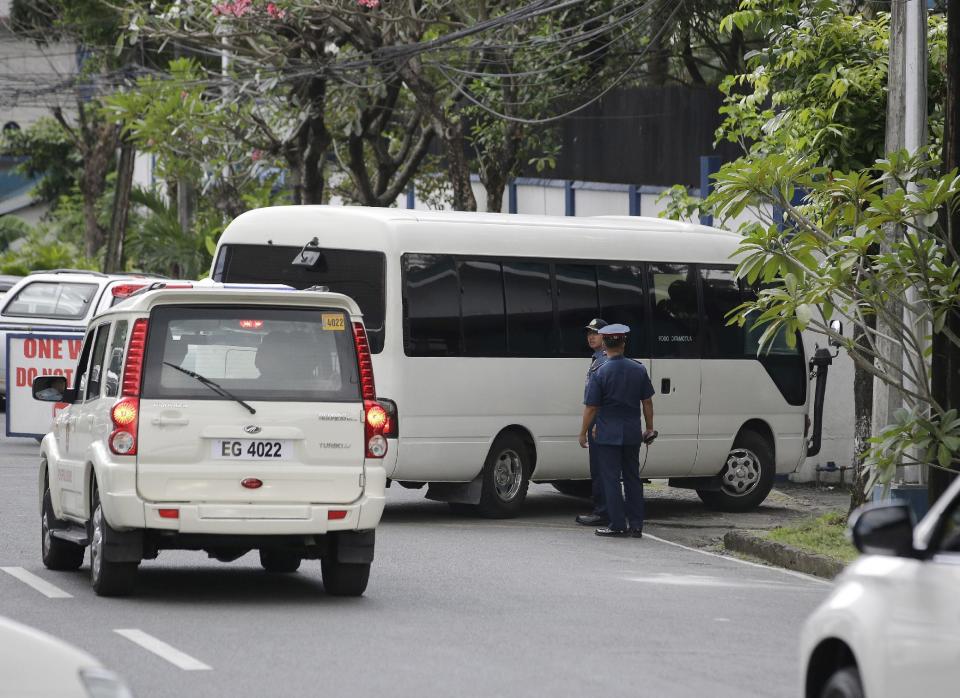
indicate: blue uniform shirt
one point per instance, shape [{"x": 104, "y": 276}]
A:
[
  {"x": 598, "y": 360},
  {"x": 619, "y": 388}
]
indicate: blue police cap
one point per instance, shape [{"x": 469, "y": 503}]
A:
[{"x": 615, "y": 329}]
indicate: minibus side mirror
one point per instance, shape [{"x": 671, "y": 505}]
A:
[
  {"x": 837, "y": 327},
  {"x": 52, "y": 389}
]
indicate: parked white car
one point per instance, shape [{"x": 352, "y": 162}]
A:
[
  {"x": 33, "y": 663},
  {"x": 217, "y": 419},
  {"x": 60, "y": 300},
  {"x": 891, "y": 627}
]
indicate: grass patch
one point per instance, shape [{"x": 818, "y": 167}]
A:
[{"x": 825, "y": 535}]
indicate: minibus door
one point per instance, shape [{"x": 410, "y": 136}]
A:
[
  {"x": 675, "y": 366},
  {"x": 676, "y": 416}
]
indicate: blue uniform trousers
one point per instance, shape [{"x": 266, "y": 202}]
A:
[
  {"x": 599, "y": 507},
  {"x": 613, "y": 463}
]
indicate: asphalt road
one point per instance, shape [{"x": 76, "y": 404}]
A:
[{"x": 535, "y": 606}]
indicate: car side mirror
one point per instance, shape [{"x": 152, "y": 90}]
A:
[
  {"x": 837, "y": 327},
  {"x": 52, "y": 389},
  {"x": 884, "y": 528}
]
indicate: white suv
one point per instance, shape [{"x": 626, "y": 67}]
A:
[
  {"x": 60, "y": 300},
  {"x": 217, "y": 419}
]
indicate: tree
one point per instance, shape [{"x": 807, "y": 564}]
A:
[
  {"x": 806, "y": 114},
  {"x": 91, "y": 25}
]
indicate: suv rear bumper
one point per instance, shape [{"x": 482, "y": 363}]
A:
[
  {"x": 124, "y": 509},
  {"x": 128, "y": 511}
]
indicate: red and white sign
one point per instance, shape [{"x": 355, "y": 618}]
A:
[{"x": 29, "y": 356}]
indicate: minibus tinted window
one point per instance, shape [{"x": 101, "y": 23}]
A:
[
  {"x": 721, "y": 294},
  {"x": 622, "y": 301},
  {"x": 529, "y": 305},
  {"x": 675, "y": 314},
  {"x": 355, "y": 273},
  {"x": 481, "y": 304},
  {"x": 577, "y": 305},
  {"x": 431, "y": 305}
]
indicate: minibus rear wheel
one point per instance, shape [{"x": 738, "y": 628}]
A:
[
  {"x": 505, "y": 478},
  {"x": 747, "y": 475}
]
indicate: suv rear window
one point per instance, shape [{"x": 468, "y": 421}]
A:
[
  {"x": 52, "y": 299},
  {"x": 256, "y": 353}
]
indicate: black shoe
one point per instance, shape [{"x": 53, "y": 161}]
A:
[
  {"x": 636, "y": 532},
  {"x": 591, "y": 519},
  {"x": 610, "y": 532}
]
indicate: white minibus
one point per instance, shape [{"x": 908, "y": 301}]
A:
[{"x": 476, "y": 325}]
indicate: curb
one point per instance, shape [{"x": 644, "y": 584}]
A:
[{"x": 782, "y": 555}]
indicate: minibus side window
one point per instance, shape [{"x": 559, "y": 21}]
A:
[
  {"x": 676, "y": 317},
  {"x": 577, "y": 304},
  {"x": 482, "y": 308},
  {"x": 529, "y": 306},
  {"x": 431, "y": 305},
  {"x": 622, "y": 301}
]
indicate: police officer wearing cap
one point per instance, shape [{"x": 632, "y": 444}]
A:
[
  {"x": 619, "y": 396},
  {"x": 598, "y": 517}
]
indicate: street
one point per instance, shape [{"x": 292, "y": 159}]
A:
[{"x": 531, "y": 606}]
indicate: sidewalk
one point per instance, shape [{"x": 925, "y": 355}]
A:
[{"x": 680, "y": 516}]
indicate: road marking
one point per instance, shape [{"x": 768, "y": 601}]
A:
[
  {"x": 162, "y": 649},
  {"x": 722, "y": 620},
  {"x": 41, "y": 585},
  {"x": 799, "y": 575},
  {"x": 695, "y": 580}
]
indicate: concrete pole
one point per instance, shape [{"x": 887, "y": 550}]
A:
[
  {"x": 887, "y": 398},
  {"x": 914, "y": 138}
]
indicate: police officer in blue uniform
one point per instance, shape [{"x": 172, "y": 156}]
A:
[
  {"x": 619, "y": 395},
  {"x": 598, "y": 517}
]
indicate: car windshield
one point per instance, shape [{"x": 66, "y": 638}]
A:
[
  {"x": 52, "y": 299},
  {"x": 255, "y": 353}
]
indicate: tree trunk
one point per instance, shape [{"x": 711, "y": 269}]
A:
[
  {"x": 458, "y": 167},
  {"x": 863, "y": 416},
  {"x": 97, "y": 154},
  {"x": 113, "y": 259},
  {"x": 946, "y": 355}
]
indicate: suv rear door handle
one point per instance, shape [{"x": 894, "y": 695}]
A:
[{"x": 169, "y": 421}]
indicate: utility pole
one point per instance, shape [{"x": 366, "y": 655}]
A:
[
  {"x": 906, "y": 129},
  {"x": 946, "y": 355},
  {"x": 887, "y": 398}
]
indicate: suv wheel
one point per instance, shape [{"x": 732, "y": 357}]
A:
[
  {"x": 108, "y": 578},
  {"x": 506, "y": 476},
  {"x": 843, "y": 683},
  {"x": 747, "y": 476},
  {"x": 345, "y": 578},
  {"x": 57, "y": 554},
  {"x": 279, "y": 561}
]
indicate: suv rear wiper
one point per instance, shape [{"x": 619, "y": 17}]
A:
[{"x": 213, "y": 385}]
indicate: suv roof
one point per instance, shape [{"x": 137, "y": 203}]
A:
[{"x": 210, "y": 292}]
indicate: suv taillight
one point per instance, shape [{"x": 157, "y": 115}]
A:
[
  {"x": 125, "y": 416},
  {"x": 133, "y": 369},
  {"x": 376, "y": 421}
]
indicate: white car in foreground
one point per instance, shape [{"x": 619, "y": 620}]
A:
[
  {"x": 891, "y": 627},
  {"x": 33, "y": 663}
]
